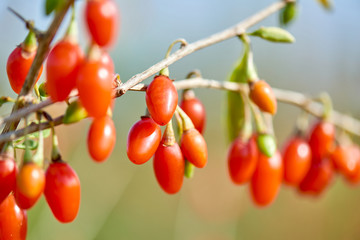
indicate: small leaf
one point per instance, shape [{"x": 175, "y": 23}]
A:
[
  {"x": 327, "y": 4},
  {"x": 288, "y": 13},
  {"x": 274, "y": 34},
  {"x": 234, "y": 102},
  {"x": 74, "y": 113},
  {"x": 42, "y": 90},
  {"x": 53, "y": 5},
  {"x": 32, "y": 144},
  {"x": 189, "y": 169},
  {"x": 266, "y": 144}
]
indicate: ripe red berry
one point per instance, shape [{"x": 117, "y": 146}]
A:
[
  {"x": 95, "y": 82},
  {"x": 266, "y": 181},
  {"x": 169, "y": 167},
  {"x": 18, "y": 66},
  {"x": 194, "y": 147},
  {"x": 344, "y": 160},
  {"x": 242, "y": 160},
  {"x": 318, "y": 177},
  {"x": 321, "y": 139},
  {"x": 13, "y": 220},
  {"x": 262, "y": 95},
  {"x": 354, "y": 178},
  {"x": 61, "y": 69},
  {"x": 101, "y": 138},
  {"x": 30, "y": 183},
  {"x": 102, "y": 18},
  {"x": 297, "y": 160},
  {"x": 161, "y": 99},
  {"x": 143, "y": 140},
  {"x": 8, "y": 171},
  {"x": 62, "y": 191},
  {"x": 193, "y": 107}
]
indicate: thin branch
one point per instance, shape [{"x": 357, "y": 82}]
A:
[
  {"x": 40, "y": 56},
  {"x": 231, "y": 32},
  {"x": 28, "y": 23},
  {"x": 238, "y": 29},
  {"x": 300, "y": 100}
]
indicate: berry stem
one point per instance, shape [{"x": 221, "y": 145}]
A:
[
  {"x": 165, "y": 71},
  {"x": 169, "y": 136}
]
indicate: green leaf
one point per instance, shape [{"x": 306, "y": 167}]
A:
[
  {"x": 234, "y": 101},
  {"x": 327, "y": 4},
  {"x": 31, "y": 143},
  {"x": 288, "y": 13},
  {"x": 53, "y": 5},
  {"x": 74, "y": 113},
  {"x": 266, "y": 144},
  {"x": 274, "y": 34}
]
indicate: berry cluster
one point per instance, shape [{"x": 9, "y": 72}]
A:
[
  {"x": 67, "y": 69},
  {"x": 144, "y": 139}
]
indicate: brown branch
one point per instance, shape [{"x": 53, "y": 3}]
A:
[
  {"x": 231, "y": 32},
  {"x": 41, "y": 54},
  {"x": 300, "y": 100},
  {"x": 184, "y": 51}
]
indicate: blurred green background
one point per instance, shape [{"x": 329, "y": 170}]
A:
[{"x": 123, "y": 201}]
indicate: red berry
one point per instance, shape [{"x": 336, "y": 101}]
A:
[
  {"x": 95, "y": 82},
  {"x": 101, "y": 138},
  {"x": 8, "y": 171},
  {"x": 344, "y": 160},
  {"x": 18, "y": 66},
  {"x": 13, "y": 220},
  {"x": 297, "y": 160},
  {"x": 194, "y": 109},
  {"x": 321, "y": 139},
  {"x": 61, "y": 69},
  {"x": 62, "y": 191},
  {"x": 161, "y": 99},
  {"x": 102, "y": 17},
  {"x": 266, "y": 181},
  {"x": 30, "y": 183},
  {"x": 143, "y": 140},
  {"x": 318, "y": 177},
  {"x": 242, "y": 160},
  {"x": 262, "y": 95},
  {"x": 194, "y": 147},
  {"x": 169, "y": 167}
]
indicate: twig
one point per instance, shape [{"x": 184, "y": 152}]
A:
[
  {"x": 300, "y": 100},
  {"x": 28, "y": 23},
  {"x": 41, "y": 53},
  {"x": 231, "y": 32},
  {"x": 184, "y": 51}
]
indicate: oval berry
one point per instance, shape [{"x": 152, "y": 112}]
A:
[
  {"x": 8, "y": 171},
  {"x": 344, "y": 160},
  {"x": 194, "y": 108},
  {"x": 242, "y": 160},
  {"x": 169, "y": 167},
  {"x": 194, "y": 147},
  {"x": 30, "y": 184},
  {"x": 94, "y": 82},
  {"x": 318, "y": 177},
  {"x": 266, "y": 181},
  {"x": 101, "y": 138},
  {"x": 62, "y": 191},
  {"x": 13, "y": 220},
  {"x": 61, "y": 69},
  {"x": 18, "y": 66},
  {"x": 143, "y": 140},
  {"x": 262, "y": 95},
  {"x": 354, "y": 178},
  {"x": 102, "y": 21},
  {"x": 321, "y": 139},
  {"x": 297, "y": 160},
  {"x": 161, "y": 99}
]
